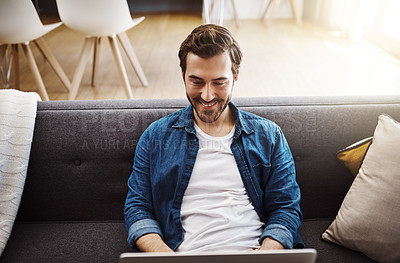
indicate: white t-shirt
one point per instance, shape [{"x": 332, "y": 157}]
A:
[{"x": 216, "y": 212}]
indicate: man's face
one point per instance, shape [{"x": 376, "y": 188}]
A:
[{"x": 209, "y": 83}]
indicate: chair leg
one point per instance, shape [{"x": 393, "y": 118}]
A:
[
  {"x": 120, "y": 65},
  {"x": 126, "y": 45},
  {"x": 4, "y": 64},
  {"x": 3, "y": 48},
  {"x": 221, "y": 12},
  {"x": 271, "y": 5},
  {"x": 44, "y": 48},
  {"x": 95, "y": 59},
  {"x": 41, "y": 52},
  {"x": 211, "y": 11},
  {"x": 206, "y": 11},
  {"x": 35, "y": 71},
  {"x": 15, "y": 65},
  {"x": 3, "y": 51},
  {"x": 295, "y": 12},
  {"x": 83, "y": 59},
  {"x": 235, "y": 13}
]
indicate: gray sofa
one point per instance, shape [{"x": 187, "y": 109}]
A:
[{"x": 82, "y": 153}]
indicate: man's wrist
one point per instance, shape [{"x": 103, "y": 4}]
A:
[{"x": 152, "y": 243}]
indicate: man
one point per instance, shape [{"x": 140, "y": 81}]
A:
[{"x": 210, "y": 176}]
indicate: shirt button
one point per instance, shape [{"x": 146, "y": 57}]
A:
[
  {"x": 188, "y": 167},
  {"x": 178, "y": 198}
]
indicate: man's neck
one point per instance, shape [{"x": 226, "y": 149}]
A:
[{"x": 220, "y": 127}]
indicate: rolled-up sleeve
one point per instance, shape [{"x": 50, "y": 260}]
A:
[
  {"x": 141, "y": 228},
  {"x": 278, "y": 233}
]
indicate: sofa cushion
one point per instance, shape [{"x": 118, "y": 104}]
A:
[
  {"x": 368, "y": 220},
  {"x": 353, "y": 155},
  {"x": 66, "y": 242}
]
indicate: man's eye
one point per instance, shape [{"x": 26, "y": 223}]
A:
[
  {"x": 197, "y": 82},
  {"x": 219, "y": 83}
]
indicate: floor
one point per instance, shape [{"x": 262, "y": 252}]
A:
[{"x": 280, "y": 59}]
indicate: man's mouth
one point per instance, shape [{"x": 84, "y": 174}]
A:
[{"x": 208, "y": 104}]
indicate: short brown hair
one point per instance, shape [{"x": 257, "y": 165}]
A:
[{"x": 210, "y": 40}]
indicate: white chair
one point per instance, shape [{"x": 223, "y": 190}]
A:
[
  {"x": 96, "y": 19},
  {"x": 20, "y": 25},
  {"x": 212, "y": 17},
  {"x": 271, "y": 7}
]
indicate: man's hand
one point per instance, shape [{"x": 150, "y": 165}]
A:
[
  {"x": 152, "y": 243},
  {"x": 269, "y": 243}
]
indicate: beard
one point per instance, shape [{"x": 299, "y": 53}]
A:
[{"x": 209, "y": 116}]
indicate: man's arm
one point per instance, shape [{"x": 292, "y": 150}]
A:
[
  {"x": 139, "y": 217},
  {"x": 282, "y": 196},
  {"x": 152, "y": 243}
]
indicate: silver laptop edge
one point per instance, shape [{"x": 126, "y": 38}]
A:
[{"x": 293, "y": 255}]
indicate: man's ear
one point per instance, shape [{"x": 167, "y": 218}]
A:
[
  {"x": 183, "y": 76},
  {"x": 236, "y": 76}
]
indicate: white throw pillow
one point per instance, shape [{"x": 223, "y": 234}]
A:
[
  {"x": 17, "y": 121},
  {"x": 369, "y": 217}
]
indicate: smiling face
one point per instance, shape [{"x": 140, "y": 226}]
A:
[{"x": 209, "y": 83}]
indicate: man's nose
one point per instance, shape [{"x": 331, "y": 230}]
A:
[{"x": 207, "y": 94}]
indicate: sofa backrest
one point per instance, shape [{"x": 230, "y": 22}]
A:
[{"x": 82, "y": 151}]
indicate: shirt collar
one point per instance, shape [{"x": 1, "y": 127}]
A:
[{"x": 241, "y": 123}]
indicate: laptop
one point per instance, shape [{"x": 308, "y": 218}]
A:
[{"x": 266, "y": 256}]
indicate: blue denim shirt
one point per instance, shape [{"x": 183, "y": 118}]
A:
[{"x": 164, "y": 160}]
